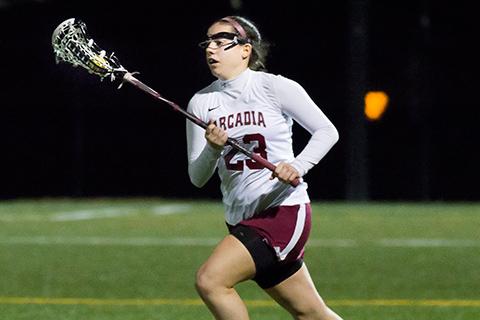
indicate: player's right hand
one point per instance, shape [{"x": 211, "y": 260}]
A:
[{"x": 216, "y": 137}]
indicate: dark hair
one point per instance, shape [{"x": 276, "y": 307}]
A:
[{"x": 259, "y": 45}]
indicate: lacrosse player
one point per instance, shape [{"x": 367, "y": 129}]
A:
[{"x": 268, "y": 219}]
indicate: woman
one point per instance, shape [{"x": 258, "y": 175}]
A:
[{"x": 268, "y": 219}]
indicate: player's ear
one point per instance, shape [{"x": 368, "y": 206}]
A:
[{"x": 246, "y": 50}]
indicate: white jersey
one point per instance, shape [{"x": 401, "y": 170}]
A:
[{"x": 256, "y": 109}]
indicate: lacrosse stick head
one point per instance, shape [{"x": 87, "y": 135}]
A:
[{"x": 72, "y": 45}]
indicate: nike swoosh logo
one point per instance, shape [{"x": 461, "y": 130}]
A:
[{"x": 210, "y": 109}]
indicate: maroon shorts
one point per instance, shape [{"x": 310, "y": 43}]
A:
[
  {"x": 276, "y": 240},
  {"x": 284, "y": 228}
]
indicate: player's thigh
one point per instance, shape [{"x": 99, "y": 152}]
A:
[
  {"x": 229, "y": 264},
  {"x": 298, "y": 294}
]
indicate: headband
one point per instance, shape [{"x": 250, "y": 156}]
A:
[{"x": 237, "y": 26}]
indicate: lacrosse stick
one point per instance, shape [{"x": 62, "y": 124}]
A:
[{"x": 71, "y": 45}]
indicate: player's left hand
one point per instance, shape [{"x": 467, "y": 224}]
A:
[{"x": 285, "y": 173}]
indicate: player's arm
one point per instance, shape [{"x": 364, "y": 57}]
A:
[
  {"x": 295, "y": 102},
  {"x": 202, "y": 156}
]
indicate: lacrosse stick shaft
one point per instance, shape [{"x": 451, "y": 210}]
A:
[{"x": 128, "y": 77}]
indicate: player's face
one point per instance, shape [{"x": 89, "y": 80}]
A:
[{"x": 225, "y": 64}]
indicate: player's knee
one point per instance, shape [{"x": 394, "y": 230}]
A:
[{"x": 205, "y": 282}]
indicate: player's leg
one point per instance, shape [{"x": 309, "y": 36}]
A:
[
  {"x": 229, "y": 264},
  {"x": 299, "y": 296}
]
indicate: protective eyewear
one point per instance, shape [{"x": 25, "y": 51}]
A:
[{"x": 227, "y": 40}]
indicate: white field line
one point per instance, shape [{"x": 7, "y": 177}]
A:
[
  {"x": 456, "y": 243},
  {"x": 20, "y": 217},
  {"x": 202, "y": 242},
  {"x": 109, "y": 241},
  {"x": 92, "y": 214},
  {"x": 334, "y": 243},
  {"x": 171, "y": 209},
  {"x": 98, "y": 213}
]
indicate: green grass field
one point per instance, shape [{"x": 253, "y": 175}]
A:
[{"x": 136, "y": 259}]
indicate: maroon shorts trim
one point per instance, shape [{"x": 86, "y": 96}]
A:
[{"x": 284, "y": 228}]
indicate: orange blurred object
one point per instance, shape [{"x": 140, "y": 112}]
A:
[{"x": 375, "y": 104}]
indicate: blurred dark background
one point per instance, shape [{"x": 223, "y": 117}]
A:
[{"x": 65, "y": 133}]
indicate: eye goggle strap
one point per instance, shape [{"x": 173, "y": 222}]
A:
[{"x": 233, "y": 44}]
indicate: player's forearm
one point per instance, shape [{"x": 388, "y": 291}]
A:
[
  {"x": 320, "y": 143},
  {"x": 201, "y": 168}
]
